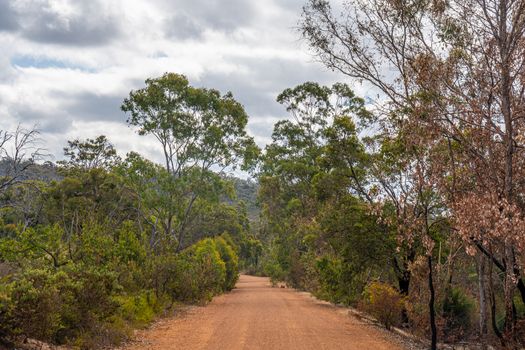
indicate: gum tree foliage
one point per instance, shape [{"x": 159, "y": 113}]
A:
[
  {"x": 298, "y": 143},
  {"x": 292, "y": 160},
  {"x": 91, "y": 154},
  {"x": 196, "y": 127},
  {"x": 199, "y": 130},
  {"x": 161, "y": 197},
  {"x": 310, "y": 207},
  {"x": 454, "y": 69}
]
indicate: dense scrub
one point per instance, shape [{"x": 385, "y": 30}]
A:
[
  {"x": 348, "y": 218},
  {"x": 102, "y": 244},
  {"x": 91, "y": 291}
]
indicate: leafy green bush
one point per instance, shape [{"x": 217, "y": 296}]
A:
[
  {"x": 139, "y": 309},
  {"x": 339, "y": 281},
  {"x": 383, "y": 302},
  {"x": 329, "y": 271},
  {"x": 457, "y": 312},
  {"x": 274, "y": 271},
  {"x": 6, "y": 310},
  {"x": 210, "y": 267},
  {"x": 58, "y": 305},
  {"x": 36, "y": 303},
  {"x": 91, "y": 270},
  {"x": 276, "y": 261},
  {"x": 231, "y": 262},
  {"x": 231, "y": 242},
  {"x": 198, "y": 273}
]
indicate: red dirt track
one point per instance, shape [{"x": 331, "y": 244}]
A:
[{"x": 257, "y": 316}]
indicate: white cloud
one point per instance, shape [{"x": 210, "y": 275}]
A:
[{"x": 67, "y": 64}]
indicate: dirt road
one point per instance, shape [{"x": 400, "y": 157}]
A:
[{"x": 256, "y": 316}]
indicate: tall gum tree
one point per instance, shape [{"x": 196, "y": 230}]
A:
[
  {"x": 199, "y": 130},
  {"x": 293, "y": 163}
]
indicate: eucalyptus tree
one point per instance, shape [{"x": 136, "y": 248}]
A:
[
  {"x": 200, "y": 132},
  {"x": 303, "y": 192},
  {"x": 90, "y": 154},
  {"x": 298, "y": 143}
]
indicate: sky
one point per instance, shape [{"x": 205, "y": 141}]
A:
[{"x": 67, "y": 65}]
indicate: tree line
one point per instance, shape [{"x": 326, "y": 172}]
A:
[
  {"x": 419, "y": 189},
  {"x": 96, "y": 245}
]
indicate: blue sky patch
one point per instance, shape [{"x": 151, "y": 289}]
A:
[{"x": 27, "y": 61}]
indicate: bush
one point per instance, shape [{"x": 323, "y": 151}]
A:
[
  {"x": 329, "y": 275},
  {"x": 457, "y": 313},
  {"x": 36, "y": 300},
  {"x": 231, "y": 262},
  {"x": 274, "y": 271},
  {"x": 91, "y": 302},
  {"x": 211, "y": 270},
  {"x": 384, "y": 303},
  {"x": 6, "y": 309},
  {"x": 198, "y": 273},
  {"x": 113, "y": 285},
  {"x": 61, "y": 306},
  {"x": 139, "y": 310}
]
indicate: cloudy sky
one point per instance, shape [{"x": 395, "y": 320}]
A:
[{"x": 66, "y": 65}]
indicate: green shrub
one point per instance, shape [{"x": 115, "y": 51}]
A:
[
  {"x": 91, "y": 292},
  {"x": 198, "y": 273},
  {"x": 6, "y": 309},
  {"x": 129, "y": 245},
  {"x": 231, "y": 242},
  {"x": 457, "y": 312},
  {"x": 139, "y": 310},
  {"x": 383, "y": 302},
  {"x": 339, "y": 281},
  {"x": 59, "y": 306},
  {"x": 231, "y": 262},
  {"x": 274, "y": 270},
  {"x": 211, "y": 269},
  {"x": 329, "y": 275},
  {"x": 37, "y": 303}
]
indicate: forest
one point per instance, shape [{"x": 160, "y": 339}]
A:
[
  {"x": 407, "y": 204},
  {"x": 96, "y": 245}
]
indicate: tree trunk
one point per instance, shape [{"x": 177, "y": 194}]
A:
[
  {"x": 184, "y": 221},
  {"x": 521, "y": 288},
  {"x": 403, "y": 272},
  {"x": 404, "y": 283},
  {"x": 504, "y": 38},
  {"x": 403, "y": 279},
  {"x": 482, "y": 300},
  {"x": 493, "y": 308},
  {"x": 431, "y": 306},
  {"x": 508, "y": 289},
  {"x": 520, "y": 284}
]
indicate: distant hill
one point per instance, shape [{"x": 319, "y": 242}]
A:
[
  {"x": 246, "y": 189},
  {"x": 44, "y": 172}
]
